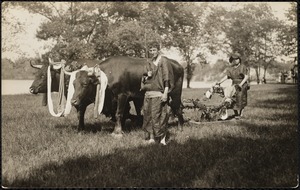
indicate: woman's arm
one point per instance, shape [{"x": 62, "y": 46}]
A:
[{"x": 244, "y": 80}]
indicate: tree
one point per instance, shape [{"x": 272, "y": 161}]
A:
[
  {"x": 11, "y": 28},
  {"x": 183, "y": 26},
  {"x": 94, "y": 29},
  {"x": 288, "y": 35},
  {"x": 250, "y": 31}
]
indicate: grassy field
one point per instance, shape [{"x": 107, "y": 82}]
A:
[{"x": 261, "y": 150}]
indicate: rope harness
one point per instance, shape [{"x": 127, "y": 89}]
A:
[
  {"x": 61, "y": 98},
  {"x": 64, "y": 105}
]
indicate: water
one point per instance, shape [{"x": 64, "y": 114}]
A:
[{"x": 10, "y": 87}]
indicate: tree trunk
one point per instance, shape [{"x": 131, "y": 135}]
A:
[
  {"x": 188, "y": 83},
  {"x": 188, "y": 74},
  {"x": 257, "y": 71},
  {"x": 265, "y": 71}
]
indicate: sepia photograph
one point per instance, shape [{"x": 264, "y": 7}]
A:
[{"x": 149, "y": 94}]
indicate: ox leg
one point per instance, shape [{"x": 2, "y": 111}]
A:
[
  {"x": 138, "y": 104},
  {"x": 180, "y": 118},
  {"x": 122, "y": 101},
  {"x": 114, "y": 110},
  {"x": 80, "y": 116},
  {"x": 176, "y": 107},
  {"x": 44, "y": 100}
]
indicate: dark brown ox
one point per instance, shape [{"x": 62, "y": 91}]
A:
[
  {"x": 39, "y": 84},
  {"x": 124, "y": 82}
]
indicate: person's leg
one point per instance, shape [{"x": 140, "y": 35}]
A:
[
  {"x": 147, "y": 124},
  {"x": 164, "y": 122},
  {"x": 236, "y": 113},
  {"x": 159, "y": 117},
  {"x": 243, "y": 103}
]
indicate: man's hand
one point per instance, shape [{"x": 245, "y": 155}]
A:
[
  {"x": 217, "y": 84},
  {"x": 164, "y": 97},
  {"x": 238, "y": 87}
]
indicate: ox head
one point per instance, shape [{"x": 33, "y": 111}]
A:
[
  {"x": 85, "y": 85},
  {"x": 39, "y": 84}
]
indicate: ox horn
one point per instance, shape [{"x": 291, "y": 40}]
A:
[
  {"x": 50, "y": 60},
  {"x": 40, "y": 55},
  {"x": 66, "y": 72},
  {"x": 91, "y": 71},
  {"x": 35, "y": 66},
  {"x": 97, "y": 71},
  {"x": 56, "y": 65},
  {"x": 87, "y": 69}
]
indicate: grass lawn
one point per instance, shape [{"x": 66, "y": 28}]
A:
[{"x": 261, "y": 150}]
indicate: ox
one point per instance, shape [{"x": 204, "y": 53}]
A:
[
  {"x": 39, "y": 84},
  {"x": 124, "y": 76}
]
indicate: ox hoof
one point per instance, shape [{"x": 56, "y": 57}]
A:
[{"x": 117, "y": 135}]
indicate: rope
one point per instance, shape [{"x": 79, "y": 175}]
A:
[
  {"x": 61, "y": 91},
  {"x": 100, "y": 94},
  {"x": 70, "y": 93},
  {"x": 49, "y": 98},
  {"x": 63, "y": 112},
  {"x": 96, "y": 101}
]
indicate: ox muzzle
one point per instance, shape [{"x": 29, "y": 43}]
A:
[
  {"x": 34, "y": 90},
  {"x": 75, "y": 102}
]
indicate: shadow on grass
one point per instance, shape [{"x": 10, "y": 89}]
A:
[
  {"x": 225, "y": 162},
  {"x": 218, "y": 161},
  {"x": 89, "y": 127},
  {"x": 276, "y": 96},
  {"x": 132, "y": 124}
]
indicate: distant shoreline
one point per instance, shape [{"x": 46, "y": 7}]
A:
[{"x": 12, "y": 87}]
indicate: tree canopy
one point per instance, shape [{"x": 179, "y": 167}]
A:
[{"x": 101, "y": 29}]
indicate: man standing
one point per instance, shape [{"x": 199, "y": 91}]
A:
[{"x": 157, "y": 84}]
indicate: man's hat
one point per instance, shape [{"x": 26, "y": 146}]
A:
[
  {"x": 154, "y": 45},
  {"x": 234, "y": 57}
]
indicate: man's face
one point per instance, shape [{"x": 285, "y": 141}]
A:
[
  {"x": 153, "y": 52},
  {"x": 235, "y": 62}
]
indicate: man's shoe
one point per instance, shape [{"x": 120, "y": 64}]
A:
[
  {"x": 150, "y": 141},
  {"x": 163, "y": 140}
]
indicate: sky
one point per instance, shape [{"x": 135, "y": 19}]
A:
[{"x": 31, "y": 46}]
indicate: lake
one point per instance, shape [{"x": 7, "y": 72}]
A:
[{"x": 10, "y": 87}]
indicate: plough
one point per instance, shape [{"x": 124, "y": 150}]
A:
[{"x": 216, "y": 112}]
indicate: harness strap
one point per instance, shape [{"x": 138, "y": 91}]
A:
[
  {"x": 101, "y": 95},
  {"x": 70, "y": 93},
  {"x": 49, "y": 98}
]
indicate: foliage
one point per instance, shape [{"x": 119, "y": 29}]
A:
[
  {"x": 288, "y": 35},
  {"x": 251, "y": 31},
  {"x": 210, "y": 72},
  {"x": 101, "y": 29},
  {"x": 12, "y": 28},
  {"x": 18, "y": 69},
  {"x": 98, "y": 30}
]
